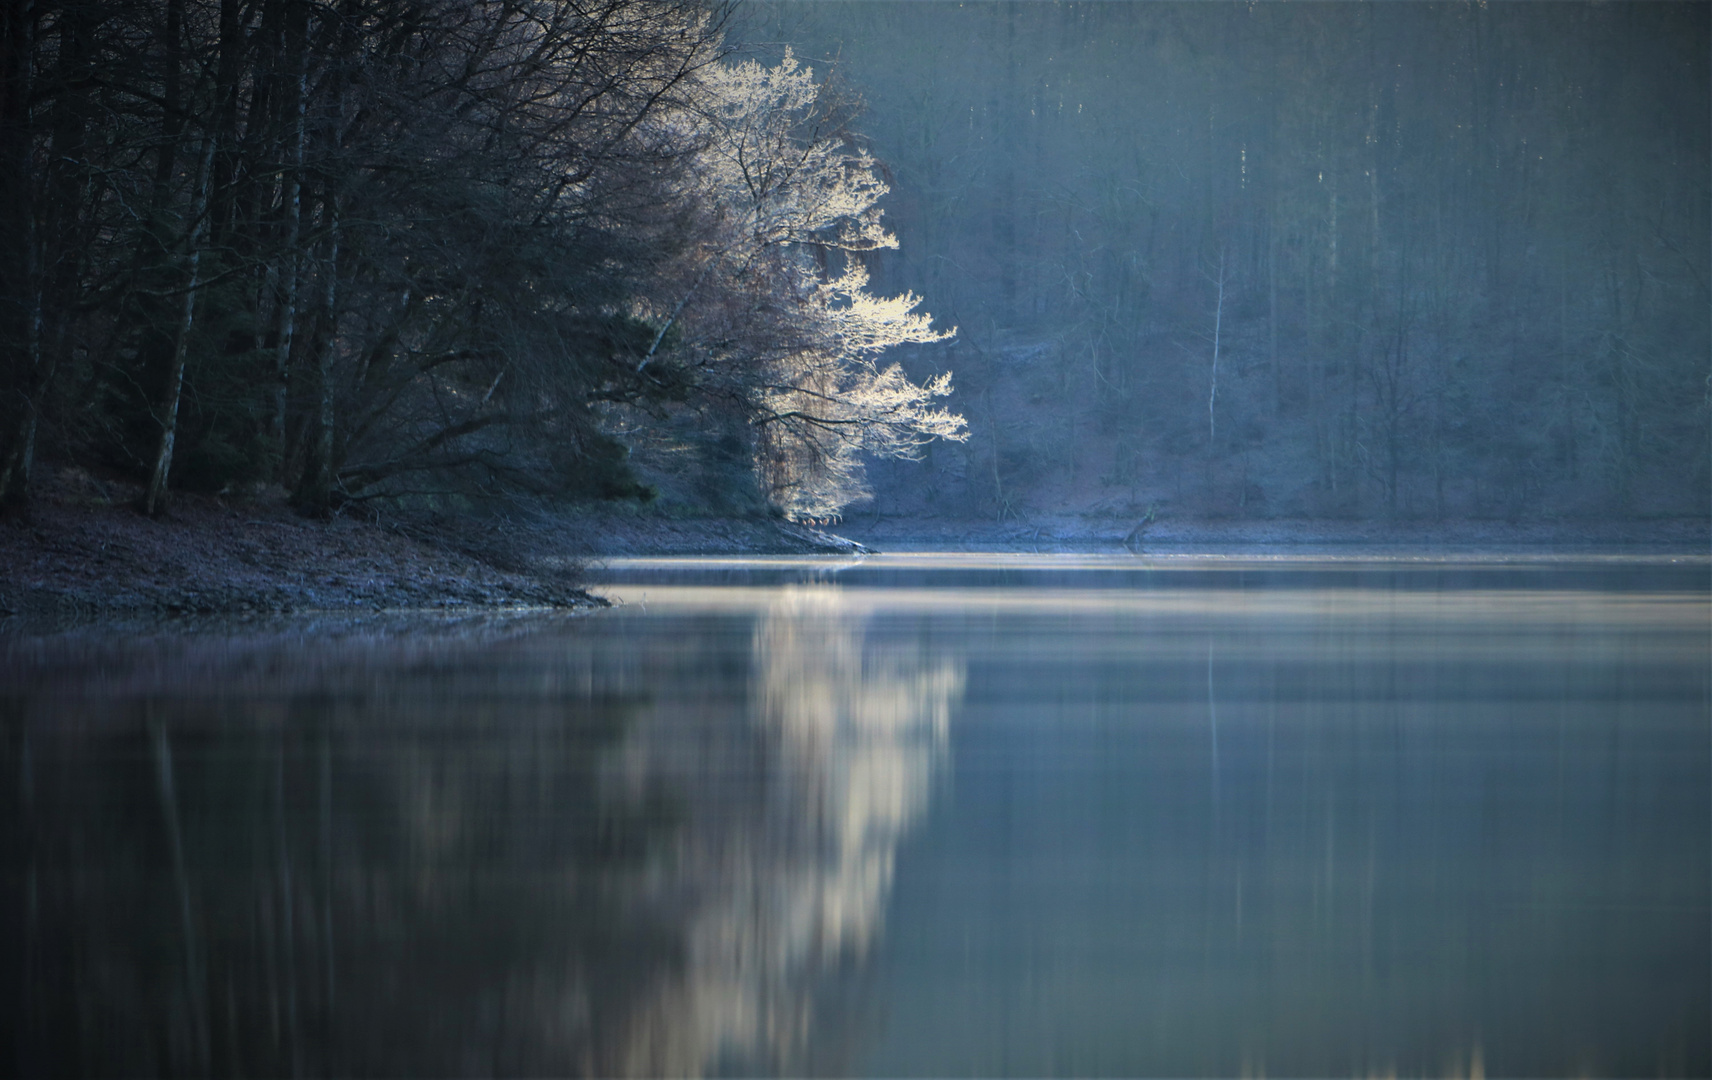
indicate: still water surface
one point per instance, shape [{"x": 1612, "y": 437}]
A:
[{"x": 915, "y": 815}]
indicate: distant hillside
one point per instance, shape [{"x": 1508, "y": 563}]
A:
[{"x": 1451, "y": 259}]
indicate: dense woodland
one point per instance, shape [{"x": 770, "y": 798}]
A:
[
  {"x": 442, "y": 250},
  {"x": 1410, "y": 261},
  {"x": 1375, "y": 260}
]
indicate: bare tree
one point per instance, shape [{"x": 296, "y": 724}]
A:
[{"x": 796, "y": 344}]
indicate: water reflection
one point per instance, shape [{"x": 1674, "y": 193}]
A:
[
  {"x": 1193, "y": 817},
  {"x": 1275, "y": 828},
  {"x": 619, "y": 846},
  {"x": 795, "y": 827}
]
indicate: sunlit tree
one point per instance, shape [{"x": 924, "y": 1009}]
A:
[{"x": 773, "y": 313}]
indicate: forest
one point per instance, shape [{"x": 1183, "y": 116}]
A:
[
  {"x": 1396, "y": 261},
  {"x": 1386, "y": 261},
  {"x": 448, "y": 252}
]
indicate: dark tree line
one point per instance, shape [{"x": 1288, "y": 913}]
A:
[
  {"x": 1405, "y": 260},
  {"x": 371, "y": 248}
]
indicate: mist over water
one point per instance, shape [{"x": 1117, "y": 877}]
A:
[{"x": 909, "y": 815}]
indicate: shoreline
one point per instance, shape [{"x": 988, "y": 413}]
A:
[
  {"x": 74, "y": 559},
  {"x": 1074, "y": 533},
  {"x": 77, "y": 558}
]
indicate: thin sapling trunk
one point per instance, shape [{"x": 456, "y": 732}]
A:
[{"x": 154, "y": 500}]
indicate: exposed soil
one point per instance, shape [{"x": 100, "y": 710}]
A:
[{"x": 82, "y": 551}]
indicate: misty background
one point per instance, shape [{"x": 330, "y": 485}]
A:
[{"x": 1451, "y": 259}]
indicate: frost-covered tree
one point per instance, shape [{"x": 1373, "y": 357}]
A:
[
  {"x": 826, "y": 404},
  {"x": 771, "y": 308}
]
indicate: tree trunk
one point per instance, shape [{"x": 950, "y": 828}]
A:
[
  {"x": 55, "y": 257},
  {"x": 154, "y": 500},
  {"x": 315, "y": 491},
  {"x": 1272, "y": 303},
  {"x": 1213, "y": 384},
  {"x": 20, "y": 271},
  {"x": 1438, "y": 449},
  {"x": 285, "y": 311},
  {"x": 1566, "y": 396}
]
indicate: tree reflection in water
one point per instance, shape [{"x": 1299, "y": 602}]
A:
[
  {"x": 791, "y": 857},
  {"x": 620, "y": 846}
]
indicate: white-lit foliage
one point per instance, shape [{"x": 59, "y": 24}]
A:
[{"x": 796, "y": 344}]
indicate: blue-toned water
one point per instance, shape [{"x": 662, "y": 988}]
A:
[{"x": 908, "y": 815}]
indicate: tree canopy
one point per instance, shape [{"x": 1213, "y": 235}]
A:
[{"x": 377, "y": 249}]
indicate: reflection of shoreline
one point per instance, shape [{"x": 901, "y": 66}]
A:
[
  {"x": 851, "y": 736},
  {"x": 590, "y": 847},
  {"x": 337, "y": 652},
  {"x": 1229, "y": 606}
]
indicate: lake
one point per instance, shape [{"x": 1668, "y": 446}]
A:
[{"x": 907, "y": 815}]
